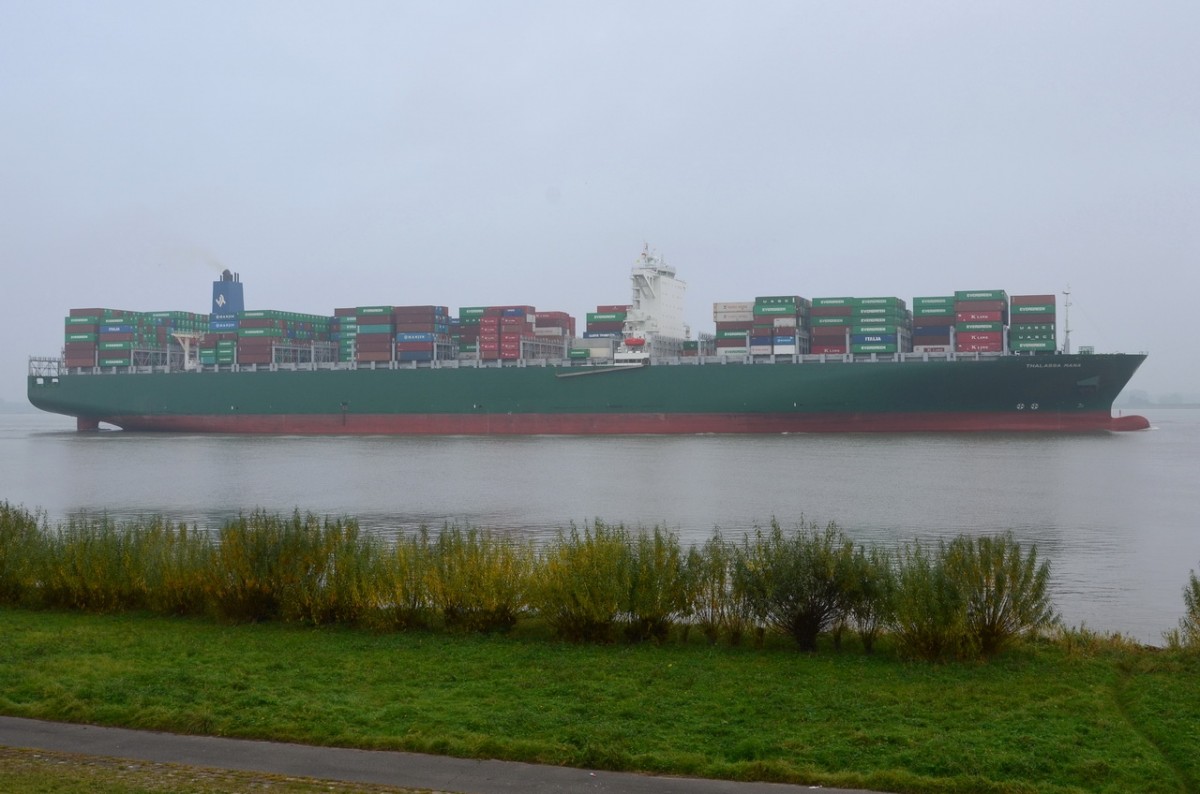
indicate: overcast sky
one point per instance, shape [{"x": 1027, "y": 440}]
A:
[{"x": 466, "y": 153}]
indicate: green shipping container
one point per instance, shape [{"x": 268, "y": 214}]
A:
[
  {"x": 116, "y": 345},
  {"x": 886, "y": 302},
  {"x": 376, "y": 328},
  {"x": 777, "y": 309},
  {"x": 1044, "y": 308},
  {"x": 776, "y": 300},
  {"x": 976, "y": 327},
  {"x": 873, "y": 348},
  {"x": 881, "y": 328},
  {"x": 373, "y": 310},
  {"x": 471, "y": 311},
  {"x": 81, "y": 337},
  {"x": 829, "y": 321},
  {"x": 981, "y": 295},
  {"x": 83, "y": 320},
  {"x": 833, "y": 301},
  {"x": 606, "y": 317},
  {"x": 250, "y": 332},
  {"x": 579, "y": 353},
  {"x": 933, "y": 311},
  {"x": 1033, "y": 345},
  {"x": 932, "y": 301},
  {"x": 115, "y": 362},
  {"x": 731, "y": 334}
]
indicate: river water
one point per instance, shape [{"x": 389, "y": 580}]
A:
[{"x": 1116, "y": 514}]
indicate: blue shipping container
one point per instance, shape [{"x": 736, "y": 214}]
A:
[
  {"x": 513, "y": 312},
  {"x": 601, "y": 334},
  {"x": 415, "y": 337},
  {"x": 116, "y": 329},
  {"x": 223, "y": 325},
  {"x": 872, "y": 339},
  {"x": 760, "y": 340}
]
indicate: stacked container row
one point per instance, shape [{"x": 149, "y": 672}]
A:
[
  {"x": 1032, "y": 323},
  {"x": 110, "y": 337},
  {"x": 979, "y": 320}
]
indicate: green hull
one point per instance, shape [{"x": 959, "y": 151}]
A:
[{"x": 1036, "y": 393}]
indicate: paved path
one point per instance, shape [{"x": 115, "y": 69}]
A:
[{"x": 411, "y": 770}]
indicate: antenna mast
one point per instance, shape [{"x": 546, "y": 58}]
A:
[{"x": 1067, "y": 320}]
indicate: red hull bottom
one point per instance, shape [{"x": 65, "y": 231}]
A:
[{"x": 626, "y": 424}]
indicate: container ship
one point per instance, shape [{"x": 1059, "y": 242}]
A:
[{"x": 968, "y": 361}]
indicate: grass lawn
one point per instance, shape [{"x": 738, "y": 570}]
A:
[{"x": 1039, "y": 718}]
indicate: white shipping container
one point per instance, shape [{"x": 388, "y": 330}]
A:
[
  {"x": 786, "y": 350},
  {"x": 734, "y": 306},
  {"x": 732, "y": 351},
  {"x": 549, "y": 331},
  {"x": 593, "y": 344},
  {"x": 760, "y": 350},
  {"x": 733, "y": 317},
  {"x": 785, "y": 322},
  {"x": 932, "y": 348}
]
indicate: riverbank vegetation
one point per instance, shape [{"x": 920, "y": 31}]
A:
[
  {"x": 965, "y": 599},
  {"x": 605, "y": 648}
]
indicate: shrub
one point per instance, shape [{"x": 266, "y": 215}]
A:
[
  {"x": 660, "y": 589},
  {"x": 1187, "y": 636},
  {"x": 22, "y": 546},
  {"x": 478, "y": 580},
  {"x": 401, "y": 582},
  {"x": 95, "y": 565},
  {"x": 177, "y": 568},
  {"x": 583, "y": 581},
  {"x": 1004, "y": 592},
  {"x": 717, "y": 605},
  {"x": 927, "y": 618},
  {"x": 796, "y": 583},
  {"x": 870, "y": 593}
]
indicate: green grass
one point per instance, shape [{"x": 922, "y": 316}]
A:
[{"x": 1045, "y": 717}]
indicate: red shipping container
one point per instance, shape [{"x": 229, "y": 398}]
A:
[
  {"x": 497, "y": 311},
  {"x": 980, "y": 306},
  {"x": 80, "y": 361},
  {"x": 116, "y": 337},
  {"x": 87, "y": 313},
  {"x": 254, "y": 357},
  {"x": 933, "y": 322},
  {"x": 735, "y": 326},
  {"x": 605, "y": 327},
  {"x": 981, "y": 337},
  {"x": 1030, "y": 300},
  {"x": 831, "y": 311},
  {"x": 826, "y": 349},
  {"x": 979, "y": 317},
  {"x": 613, "y": 307},
  {"x": 931, "y": 339},
  {"x": 350, "y": 311},
  {"x": 978, "y": 347},
  {"x": 373, "y": 356},
  {"x": 83, "y": 329},
  {"x": 829, "y": 331},
  {"x": 1032, "y": 319},
  {"x": 414, "y": 328},
  {"x": 415, "y": 347}
]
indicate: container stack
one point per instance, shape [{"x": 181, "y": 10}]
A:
[
  {"x": 1033, "y": 324},
  {"x": 830, "y": 320},
  {"x": 780, "y": 325},
  {"x": 343, "y": 330},
  {"x": 465, "y": 329},
  {"x": 502, "y": 329},
  {"x": 979, "y": 320},
  {"x": 260, "y": 331},
  {"x": 375, "y": 337},
  {"x": 735, "y": 321},
  {"x": 606, "y": 322},
  {"x": 933, "y": 324},
  {"x": 422, "y": 333},
  {"x": 880, "y": 325},
  {"x": 113, "y": 337}
]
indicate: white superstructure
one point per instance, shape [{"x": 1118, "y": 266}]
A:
[{"x": 654, "y": 324}]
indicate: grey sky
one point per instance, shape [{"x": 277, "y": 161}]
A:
[{"x": 462, "y": 153}]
